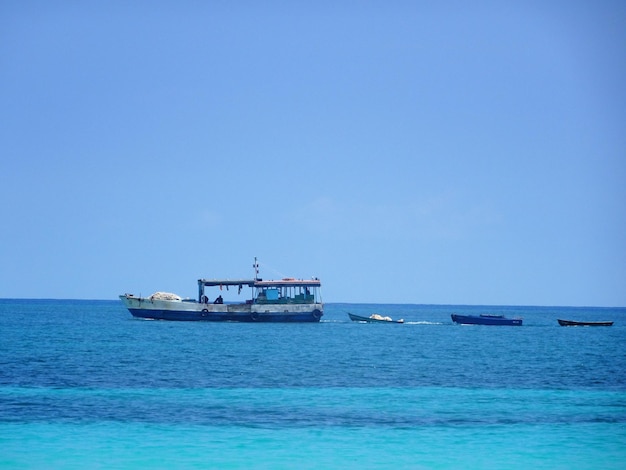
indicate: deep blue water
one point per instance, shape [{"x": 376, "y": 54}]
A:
[{"x": 83, "y": 384}]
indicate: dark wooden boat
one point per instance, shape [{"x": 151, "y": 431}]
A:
[
  {"x": 486, "y": 319},
  {"x": 584, "y": 323},
  {"x": 375, "y": 318}
]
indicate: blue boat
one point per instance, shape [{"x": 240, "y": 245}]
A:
[
  {"x": 284, "y": 300},
  {"x": 486, "y": 319}
]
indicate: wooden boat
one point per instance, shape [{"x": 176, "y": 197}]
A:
[
  {"x": 374, "y": 318},
  {"x": 584, "y": 323},
  {"x": 284, "y": 300},
  {"x": 486, "y": 319}
]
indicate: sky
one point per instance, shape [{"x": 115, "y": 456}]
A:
[{"x": 402, "y": 151}]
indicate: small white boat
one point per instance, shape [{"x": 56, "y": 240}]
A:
[{"x": 374, "y": 318}]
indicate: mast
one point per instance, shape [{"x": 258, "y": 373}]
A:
[{"x": 256, "y": 269}]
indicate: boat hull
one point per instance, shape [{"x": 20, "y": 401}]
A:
[
  {"x": 175, "y": 310},
  {"x": 492, "y": 320},
  {"x": 584, "y": 323}
]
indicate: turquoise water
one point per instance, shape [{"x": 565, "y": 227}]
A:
[{"x": 84, "y": 385}]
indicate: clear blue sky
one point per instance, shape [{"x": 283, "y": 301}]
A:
[{"x": 402, "y": 151}]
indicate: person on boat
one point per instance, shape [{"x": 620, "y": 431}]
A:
[
  {"x": 204, "y": 299},
  {"x": 219, "y": 300}
]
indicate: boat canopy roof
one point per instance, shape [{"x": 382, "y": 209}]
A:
[
  {"x": 287, "y": 282},
  {"x": 226, "y": 282}
]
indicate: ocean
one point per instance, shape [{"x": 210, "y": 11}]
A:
[{"x": 85, "y": 385}]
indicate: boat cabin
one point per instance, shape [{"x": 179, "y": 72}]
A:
[
  {"x": 287, "y": 291},
  {"x": 284, "y": 291}
]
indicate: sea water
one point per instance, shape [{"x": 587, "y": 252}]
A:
[{"x": 85, "y": 385}]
